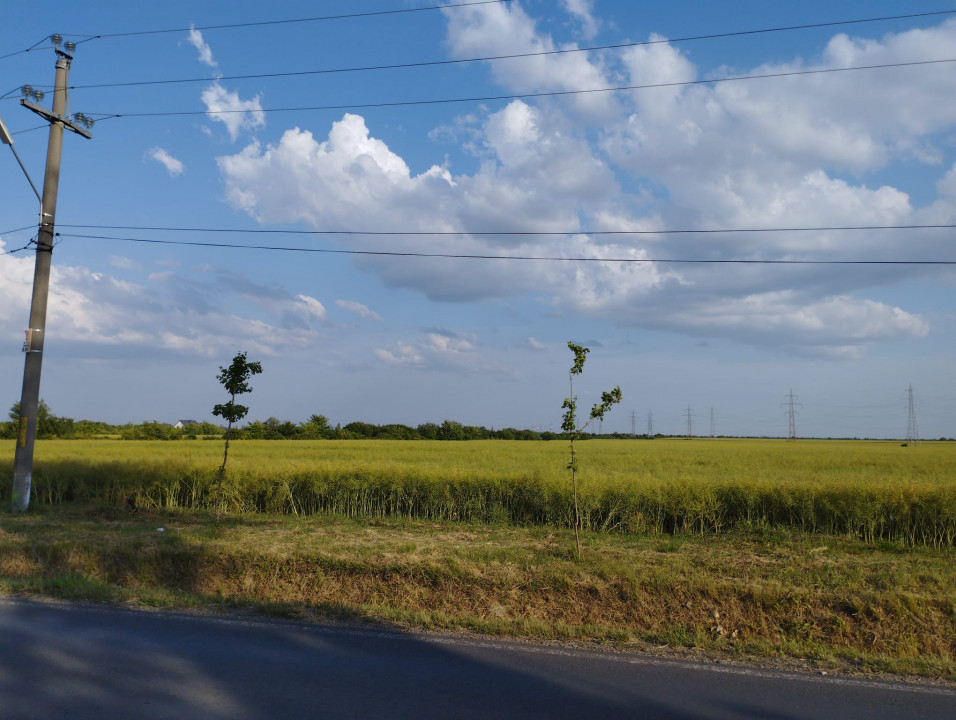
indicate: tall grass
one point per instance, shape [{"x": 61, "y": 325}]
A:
[{"x": 870, "y": 490}]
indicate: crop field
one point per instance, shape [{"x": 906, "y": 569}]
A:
[{"x": 871, "y": 491}]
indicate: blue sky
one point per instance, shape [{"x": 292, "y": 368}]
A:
[{"x": 137, "y": 330}]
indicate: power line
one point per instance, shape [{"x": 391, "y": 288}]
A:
[
  {"x": 469, "y": 256},
  {"x": 512, "y": 56},
  {"x": 20, "y": 249},
  {"x": 519, "y": 96},
  {"x": 319, "y": 18},
  {"x": 19, "y": 229},
  {"x": 26, "y": 50},
  {"x": 613, "y": 46},
  {"x": 263, "y": 23},
  {"x": 540, "y": 233}
]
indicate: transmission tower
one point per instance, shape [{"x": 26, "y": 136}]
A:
[
  {"x": 912, "y": 433},
  {"x": 633, "y": 423},
  {"x": 789, "y": 399},
  {"x": 689, "y": 415},
  {"x": 650, "y": 424},
  {"x": 713, "y": 424}
]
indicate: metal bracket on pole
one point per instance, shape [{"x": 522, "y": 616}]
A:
[{"x": 53, "y": 117}]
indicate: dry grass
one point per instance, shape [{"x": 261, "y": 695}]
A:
[{"x": 832, "y": 601}]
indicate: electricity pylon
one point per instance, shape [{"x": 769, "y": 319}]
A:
[
  {"x": 690, "y": 422},
  {"x": 791, "y": 414},
  {"x": 912, "y": 433}
]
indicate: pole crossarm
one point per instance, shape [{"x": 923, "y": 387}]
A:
[{"x": 53, "y": 117}]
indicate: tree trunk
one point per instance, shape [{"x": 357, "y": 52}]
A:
[{"x": 222, "y": 469}]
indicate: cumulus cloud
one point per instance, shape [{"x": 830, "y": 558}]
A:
[
  {"x": 357, "y": 308},
  {"x": 173, "y": 166},
  {"x": 190, "y": 312},
  {"x": 440, "y": 349},
  {"x": 236, "y": 114},
  {"x": 507, "y": 29},
  {"x": 797, "y": 152},
  {"x": 583, "y": 11},
  {"x": 311, "y": 308},
  {"x": 205, "y": 52}
]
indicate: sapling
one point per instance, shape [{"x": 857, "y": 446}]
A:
[
  {"x": 235, "y": 379},
  {"x": 569, "y": 425}
]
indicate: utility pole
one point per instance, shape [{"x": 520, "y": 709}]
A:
[
  {"x": 690, "y": 422},
  {"x": 912, "y": 433},
  {"x": 33, "y": 347},
  {"x": 791, "y": 414}
]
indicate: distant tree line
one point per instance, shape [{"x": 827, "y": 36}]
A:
[{"x": 317, "y": 427}]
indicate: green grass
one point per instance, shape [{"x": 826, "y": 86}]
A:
[
  {"x": 829, "y": 602},
  {"x": 873, "y": 491}
]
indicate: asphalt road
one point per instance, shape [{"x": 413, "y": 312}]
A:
[{"x": 80, "y": 661}]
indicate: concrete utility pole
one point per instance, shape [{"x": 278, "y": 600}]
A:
[{"x": 33, "y": 347}]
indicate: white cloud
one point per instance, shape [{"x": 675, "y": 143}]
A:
[
  {"x": 173, "y": 166},
  {"x": 535, "y": 345},
  {"x": 205, "y": 52},
  {"x": 197, "y": 314},
  {"x": 506, "y": 29},
  {"x": 443, "y": 350},
  {"x": 583, "y": 10},
  {"x": 124, "y": 263},
  {"x": 794, "y": 153},
  {"x": 236, "y": 114},
  {"x": 403, "y": 354},
  {"x": 357, "y": 308},
  {"x": 312, "y": 307},
  {"x": 841, "y": 326}
]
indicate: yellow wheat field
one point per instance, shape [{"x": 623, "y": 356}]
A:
[{"x": 871, "y": 490}]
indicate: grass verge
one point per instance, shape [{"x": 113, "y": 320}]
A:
[{"x": 827, "y": 602}]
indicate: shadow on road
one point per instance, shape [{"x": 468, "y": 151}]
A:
[
  {"x": 80, "y": 661},
  {"x": 83, "y": 662}
]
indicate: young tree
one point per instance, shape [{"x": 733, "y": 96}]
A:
[
  {"x": 569, "y": 425},
  {"x": 235, "y": 379}
]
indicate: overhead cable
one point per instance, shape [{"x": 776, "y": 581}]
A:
[
  {"x": 470, "y": 256},
  {"x": 460, "y": 233},
  {"x": 520, "y": 96},
  {"x": 319, "y": 18},
  {"x": 512, "y": 56},
  {"x": 19, "y": 229},
  {"x": 689, "y": 38}
]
